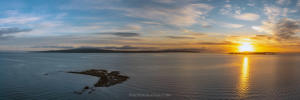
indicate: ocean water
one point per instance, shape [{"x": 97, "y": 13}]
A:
[{"x": 191, "y": 76}]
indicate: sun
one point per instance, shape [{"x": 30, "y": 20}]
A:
[{"x": 245, "y": 47}]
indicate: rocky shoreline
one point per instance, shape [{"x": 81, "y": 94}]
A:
[{"x": 106, "y": 78}]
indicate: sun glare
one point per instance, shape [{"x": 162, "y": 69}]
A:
[{"x": 245, "y": 47}]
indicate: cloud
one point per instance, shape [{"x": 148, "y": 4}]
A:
[
  {"x": 11, "y": 12},
  {"x": 251, "y": 4},
  {"x": 262, "y": 37},
  {"x": 247, "y": 16},
  {"x": 217, "y": 43},
  {"x": 285, "y": 11},
  {"x": 131, "y": 27},
  {"x": 180, "y": 37},
  {"x": 126, "y": 47},
  {"x": 229, "y": 25},
  {"x": 61, "y": 15},
  {"x": 180, "y": 13},
  {"x": 286, "y": 28},
  {"x": 293, "y": 11},
  {"x": 165, "y": 1},
  {"x": 47, "y": 28},
  {"x": 8, "y": 32},
  {"x": 54, "y": 47},
  {"x": 274, "y": 12},
  {"x": 18, "y": 20},
  {"x": 230, "y": 10},
  {"x": 206, "y": 25},
  {"x": 186, "y": 31},
  {"x": 13, "y": 30},
  {"x": 283, "y": 29},
  {"x": 178, "y": 16},
  {"x": 176, "y": 13},
  {"x": 235, "y": 12},
  {"x": 283, "y": 2},
  {"x": 298, "y": 3},
  {"x": 122, "y": 34},
  {"x": 71, "y": 47},
  {"x": 151, "y": 23},
  {"x": 3, "y": 37},
  {"x": 227, "y": 5}
]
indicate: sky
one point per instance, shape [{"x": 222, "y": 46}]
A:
[{"x": 209, "y": 25}]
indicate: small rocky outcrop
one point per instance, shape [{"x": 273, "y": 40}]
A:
[{"x": 106, "y": 78}]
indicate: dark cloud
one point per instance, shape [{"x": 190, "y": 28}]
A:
[
  {"x": 123, "y": 34},
  {"x": 283, "y": 29},
  {"x": 217, "y": 43},
  {"x": 126, "y": 47},
  {"x": 180, "y": 37},
  {"x": 126, "y": 34},
  {"x": 5, "y": 31},
  {"x": 5, "y": 37},
  {"x": 12, "y": 30},
  {"x": 56, "y": 47},
  {"x": 206, "y": 26},
  {"x": 262, "y": 37},
  {"x": 286, "y": 29}
]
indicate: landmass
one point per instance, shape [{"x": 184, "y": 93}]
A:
[
  {"x": 96, "y": 50},
  {"x": 106, "y": 79}
]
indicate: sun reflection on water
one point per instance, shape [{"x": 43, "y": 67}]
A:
[{"x": 244, "y": 78}]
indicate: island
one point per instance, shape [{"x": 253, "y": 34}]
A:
[{"x": 106, "y": 79}]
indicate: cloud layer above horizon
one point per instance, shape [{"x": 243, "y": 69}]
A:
[{"x": 212, "y": 24}]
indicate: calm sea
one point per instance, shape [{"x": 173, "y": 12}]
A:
[{"x": 42, "y": 76}]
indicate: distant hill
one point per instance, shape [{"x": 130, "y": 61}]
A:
[{"x": 97, "y": 50}]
